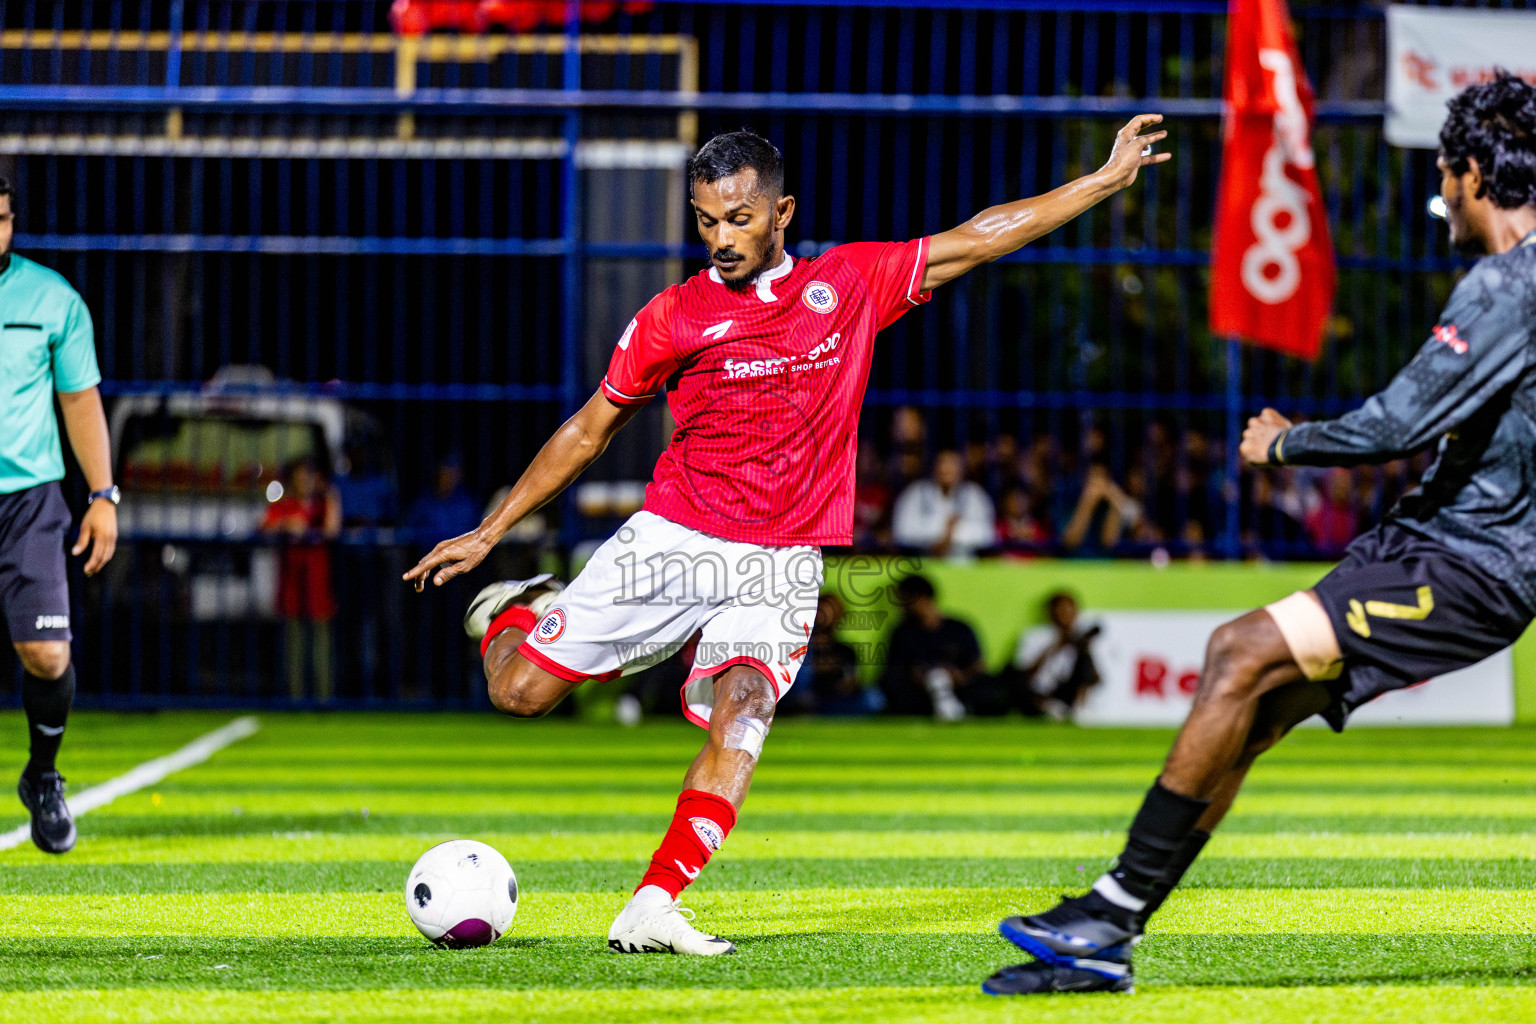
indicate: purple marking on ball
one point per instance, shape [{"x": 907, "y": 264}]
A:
[{"x": 469, "y": 932}]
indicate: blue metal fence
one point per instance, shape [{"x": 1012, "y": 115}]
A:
[{"x": 441, "y": 236}]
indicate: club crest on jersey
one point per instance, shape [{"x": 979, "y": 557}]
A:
[
  {"x": 550, "y": 627},
  {"x": 820, "y": 297},
  {"x": 709, "y": 833}
]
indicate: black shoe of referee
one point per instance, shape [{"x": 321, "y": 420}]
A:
[{"x": 53, "y": 827}]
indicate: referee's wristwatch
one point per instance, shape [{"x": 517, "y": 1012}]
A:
[{"x": 112, "y": 494}]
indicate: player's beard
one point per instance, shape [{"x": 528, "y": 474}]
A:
[
  {"x": 1462, "y": 240},
  {"x": 746, "y": 281}
]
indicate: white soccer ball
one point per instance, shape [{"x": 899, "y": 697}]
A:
[{"x": 461, "y": 893}]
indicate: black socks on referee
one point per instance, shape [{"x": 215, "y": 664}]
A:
[
  {"x": 1157, "y": 840},
  {"x": 47, "y": 703}
]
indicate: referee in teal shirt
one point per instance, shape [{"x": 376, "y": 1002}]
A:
[{"x": 47, "y": 347}]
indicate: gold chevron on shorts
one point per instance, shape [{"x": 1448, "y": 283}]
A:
[{"x": 1357, "y": 614}]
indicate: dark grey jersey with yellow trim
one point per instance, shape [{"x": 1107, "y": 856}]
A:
[{"x": 1472, "y": 389}]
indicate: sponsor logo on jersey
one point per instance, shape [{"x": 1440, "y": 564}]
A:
[
  {"x": 718, "y": 331},
  {"x": 629, "y": 332},
  {"x": 709, "y": 833},
  {"x": 52, "y": 622},
  {"x": 820, "y": 297},
  {"x": 1448, "y": 335},
  {"x": 816, "y": 359},
  {"x": 550, "y": 627}
]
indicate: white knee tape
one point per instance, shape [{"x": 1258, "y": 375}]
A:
[{"x": 746, "y": 734}]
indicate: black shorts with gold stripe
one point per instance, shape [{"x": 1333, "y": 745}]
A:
[{"x": 1406, "y": 609}]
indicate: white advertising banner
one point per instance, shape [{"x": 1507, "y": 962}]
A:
[
  {"x": 1150, "y": 663},
  {"x": 1435, "y": 52}
]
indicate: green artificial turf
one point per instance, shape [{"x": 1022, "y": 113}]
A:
[{"x": 1377, "y": 876}]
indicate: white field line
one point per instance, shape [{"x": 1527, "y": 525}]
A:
[{"x": 146, "y": 774}]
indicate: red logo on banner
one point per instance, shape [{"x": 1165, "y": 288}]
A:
[{"x": 1272, "y": 268}]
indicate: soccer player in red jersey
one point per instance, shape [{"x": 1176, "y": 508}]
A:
[{"x": 764, "y": 359}]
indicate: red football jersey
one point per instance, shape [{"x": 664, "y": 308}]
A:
[{"x": 765, "y": 387}]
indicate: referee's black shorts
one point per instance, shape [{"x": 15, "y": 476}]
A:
[
  {"x": 34, "y": 592},
  {"x": 1405, "y": 609}
]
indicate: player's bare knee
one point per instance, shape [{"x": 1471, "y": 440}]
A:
[
  {"x": 516, "y": 696},
  {"x": 43, "y": 659},
  {"x": 1232, "y": 669},
  {"x": 743, "y": 690}
]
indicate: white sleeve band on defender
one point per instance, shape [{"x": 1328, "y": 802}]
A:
[
  {"x": 1113, "y": 891},
  {"x": 746, "y": 734},
  {"x": 1309, "y": 635}
]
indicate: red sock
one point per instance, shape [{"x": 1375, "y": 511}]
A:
[
  {"x": 517, "y": 617},
  {"x": 700, "y": 825}
]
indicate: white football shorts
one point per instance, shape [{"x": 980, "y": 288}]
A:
[{"x": 654, "y": 584}]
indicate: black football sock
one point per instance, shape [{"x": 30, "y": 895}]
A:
[
  {"x": 1157, "y": 835},
  {"x": 1174, "y": 874},
  {"x": 47, "y": 703}
]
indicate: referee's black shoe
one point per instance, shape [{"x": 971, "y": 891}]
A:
[
  {"x": 53, "y": 827},
  {"x": 1108, "y": 971}
]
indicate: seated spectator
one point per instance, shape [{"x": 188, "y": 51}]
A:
[
  {"x": 1054, "y": 662},
  {"x": 445, "y": 512},
  {"x": 1104, "y": 514},
  {"x": 945, "y": 515},
  {"x": 1271, "y": 524},
  {"x": 871, "y": 501},
  {"x": 306, "y": 513},
  {"x": 931, "y": 660},
  {"x": 909, "y": 446},
  {"x": 1018, "y": 531},
  {"x": 1335, "y": 521},
  {"x": 830, "y": 672},
  {"x": 366, "y": 490}
]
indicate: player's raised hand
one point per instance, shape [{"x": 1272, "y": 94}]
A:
[
  {"x": 1133, "y": 151},
  {"x": 455, "y": 556},
  {"x": 1260, "y": 435}
]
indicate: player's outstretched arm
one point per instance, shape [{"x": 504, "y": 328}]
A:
[
  {"x": 572, "y": 448},
  {"x": 1480, "y": 346},
  {"x": 999, "y": 230}
]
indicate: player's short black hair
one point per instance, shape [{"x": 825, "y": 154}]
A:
[
  {"x": 913, "y": 587},
  {"x": 7, "y": 189},
  {"x": 734, "y": 152},
  {"x": 1494, "y": 122}
]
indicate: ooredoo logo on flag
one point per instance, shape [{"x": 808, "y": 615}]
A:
[{"x": 1272, "y": 268}]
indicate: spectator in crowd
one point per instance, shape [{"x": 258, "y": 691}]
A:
[
  {"x": 830, "y": 671},
  {"x": 305, "y": 516},
  {"x": 1334, "y": 522},
  {"x": 1002, "y": 472},
  {"x": 1105, "y": 513},
  {"x": 946, "y": 515},
  {"x": 1018, "y": 531},
  {"x": 909, "y": 446},
  {"x": 447, "y": 510},
  {"x": 931, "y": 660},
  {"x": 1272, "y": 516},
  {"x": 1037, "y": 472},
  {"x": 366, "y": 491},
  {"x": 872, "y": 499},
  {"x": 1054, "y": 663}
]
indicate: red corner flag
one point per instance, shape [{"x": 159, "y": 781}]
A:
[{"x": 1272, "y": 272}]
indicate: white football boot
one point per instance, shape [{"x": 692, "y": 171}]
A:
[
  {"x": 537, "y": 593},
  {"x": 652, "y": 922}
]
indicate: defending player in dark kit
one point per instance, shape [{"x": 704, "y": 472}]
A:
[
  {"x": 47, "y": 347},
  {"x": 765, "y": 359},
  {"x": 1446, "y": 580}
]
